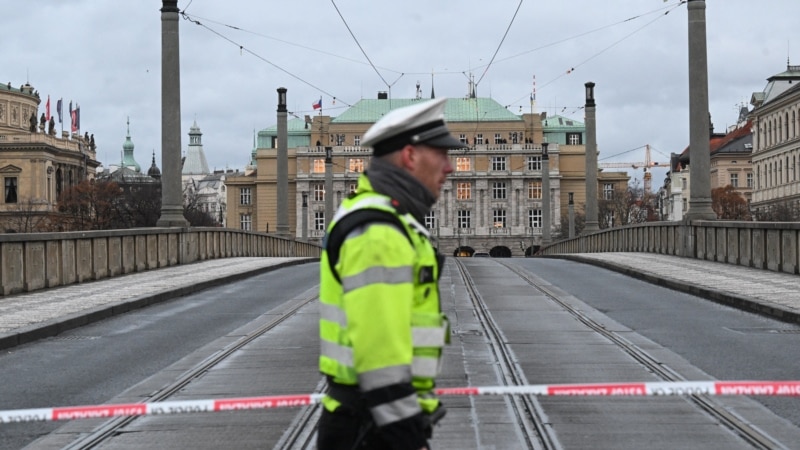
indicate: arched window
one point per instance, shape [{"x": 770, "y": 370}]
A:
[
  {"x": 786, "y": 124},
  {"x": 59, "y": 183}
]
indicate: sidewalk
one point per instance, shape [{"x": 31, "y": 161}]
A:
[
  {"x": 765, "y": 292},
  {"x": 47, "y": 312}
]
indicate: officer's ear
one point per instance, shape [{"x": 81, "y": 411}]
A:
[{"x": 407, "y": 157}]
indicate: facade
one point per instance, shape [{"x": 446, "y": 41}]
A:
[
  {"x": 776, "y": 143},
  {"x": 204, "y": 190},
  {"x": 492, "y": 202},
  {"x": 36, "y": 164}
]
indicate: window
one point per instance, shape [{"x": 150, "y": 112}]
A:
[
  {"x": 574, "y": 138},
  {"x": 463, "y": 164},
  {"x": 11, "y": 190},
  {"x": 356, "y": 165},
  {"x": 464, "y": 216},
  {"x": 498, "y": 163},
  {"x": 479, "y": 139},
  {"x": 534, "y": 189},
  {"x": 685, "y": 205},
  {"x": 750, "y": 179},
  {"x": 735, "y": 180},
  {"x": 319, "y": 192},
  {"x": 319, "y": 220},
  {"x": 357, "y": 140},
  {"x": 246, "y": 222},
  {"x": 683, "y": 183},
  {"x": 352, "y": 187},
  {"x": 499, "y": 218},
  {"x": 498, "y": 190},
  {"x": 463, "y": 138},
  {"x": 535, "y": 218},
  {"x": 245, "y": 196},
  {"x": 463, "y": 191},
  {"x": 430, "y": 220},
  {"x": 498, "y": 139},
  {"x": 319, "y": 166},
  {"x": 608, "y": 191},
  {"x": 534, "y": 163}
]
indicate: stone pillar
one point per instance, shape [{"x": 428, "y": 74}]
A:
[
  {"x": 171, "y": 195},
  {"x": 283, "y": 165},
  {"x": 546, "y": 222},
  {"x": 591, "y": 162},
  {"x": 699, "y": 149},
  {"x": 328, "y": 185}
]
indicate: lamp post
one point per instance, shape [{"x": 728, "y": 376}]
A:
[
  {"x": 328, "y": 184},
  {"x": 171, "y": 195},
  {"x": 591, "y": 162},
  {"x": 571, "y": 212},
  {"x": 545, "y": 195},
  {"x": 305, "y": 215},
  {"x": 283, "y": 165}
]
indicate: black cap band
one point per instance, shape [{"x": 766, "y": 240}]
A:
[{"x": 414, "y": 136}]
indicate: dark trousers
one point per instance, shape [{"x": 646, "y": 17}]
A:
[{"x": 345, "y": 429}]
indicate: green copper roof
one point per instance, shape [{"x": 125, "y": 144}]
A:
[
  {"x": 293, "y": 126},
  {"x": 456, "y": 110},
  {"x": 562, "y": 123}
]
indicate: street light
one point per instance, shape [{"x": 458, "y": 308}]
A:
[{"x": 545, "y": 195}]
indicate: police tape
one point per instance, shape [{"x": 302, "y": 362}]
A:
[{"x": 747, "y": 388}]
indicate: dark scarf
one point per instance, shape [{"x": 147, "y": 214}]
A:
[{"x": 388, "y": 179}]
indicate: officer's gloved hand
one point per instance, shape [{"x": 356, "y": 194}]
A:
[{"x": 433, "y": 418}]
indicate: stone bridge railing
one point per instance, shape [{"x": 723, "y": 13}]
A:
[
  {"x": 34, "y": 261},
  {"x": 763, "y": 245}
]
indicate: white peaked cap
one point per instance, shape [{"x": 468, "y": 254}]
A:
[{"x": 422, "y": 123}]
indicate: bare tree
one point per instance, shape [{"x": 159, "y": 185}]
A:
[{"x": 729, "y": 204}]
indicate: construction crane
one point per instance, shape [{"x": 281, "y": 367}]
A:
[{"x": 646, "y": 165}]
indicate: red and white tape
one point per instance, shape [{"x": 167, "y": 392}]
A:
[{"x": 748, "y": 388}]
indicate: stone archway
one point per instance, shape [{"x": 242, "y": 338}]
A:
[{"x": 500, "y": 251}]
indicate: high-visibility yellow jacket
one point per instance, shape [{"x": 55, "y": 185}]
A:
[{"x": 381, "y": 325}]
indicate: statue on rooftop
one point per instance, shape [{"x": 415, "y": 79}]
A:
[{"x": 33, "y": 122}]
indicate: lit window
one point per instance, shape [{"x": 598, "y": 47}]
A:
[
  {"x": 463, "y": 191},
  {"x": 319, "y": 166},
  {"x": 319, "y": 192},
  {"x": 499, "y": 218},
  {"x": 356, "y": 165},
  {"x": 534, "y": 189},
  {"x": 463, "y": 164}
]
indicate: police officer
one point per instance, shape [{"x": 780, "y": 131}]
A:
[{"x": 381, "y": 325}]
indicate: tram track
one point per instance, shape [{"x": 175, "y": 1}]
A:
[
  {"x": 113, "y": 427},
  {"x": 726, "y": 418},
  {"x": 528, "y": 413}
]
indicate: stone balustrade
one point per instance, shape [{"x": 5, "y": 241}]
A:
[
  {"x": 762, "y": 245},
  {"x": 32, "y": 261}
]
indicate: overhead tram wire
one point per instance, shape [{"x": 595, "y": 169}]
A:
[
  {"x": 256, "y": 55},
  {"x": 362, "y": 48},
  {"x": 500, "y": 44}
]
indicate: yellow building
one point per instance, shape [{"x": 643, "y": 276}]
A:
[
  {"x": 36, "y": 164},
  {"x": 492, "y": 202}
]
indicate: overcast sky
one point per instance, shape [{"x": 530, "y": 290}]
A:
[{"x": 106, "y": 56}]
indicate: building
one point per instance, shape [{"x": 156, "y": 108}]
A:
[
  {"x": 492, "y": 202},
  {"x": 203, "y": 190},
  {"x": 36, "y": 164},
  {"x": 776, "y": 144}
]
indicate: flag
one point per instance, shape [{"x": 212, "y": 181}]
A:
[
  {"x": 59, "y": 110},
  {"x": 317, "y": 104},
  {"x": 47, "y": 109},
  {"x": 75, "y": 117}
]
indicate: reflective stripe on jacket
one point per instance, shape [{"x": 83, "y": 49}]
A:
[{"x": 382, "y": 326}]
